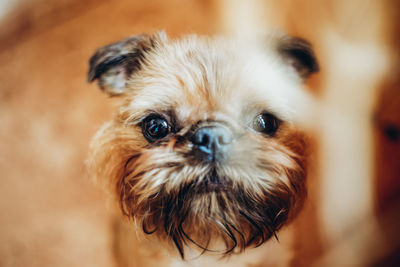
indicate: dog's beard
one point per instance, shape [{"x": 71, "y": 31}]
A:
[{"x": 242, "y": 204}]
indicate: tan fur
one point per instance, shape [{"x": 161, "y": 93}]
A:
[{"x": 201, "y": 80}]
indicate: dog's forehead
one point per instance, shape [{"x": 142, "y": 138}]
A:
[{"x": 203, "y": 78}]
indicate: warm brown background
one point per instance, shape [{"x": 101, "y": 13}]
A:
[{"x": 52, "y": 215}]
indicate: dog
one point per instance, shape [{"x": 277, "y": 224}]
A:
[{"x": 204, "y": 151}]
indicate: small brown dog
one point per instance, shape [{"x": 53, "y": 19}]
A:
[{"x": 204, "y": 151}]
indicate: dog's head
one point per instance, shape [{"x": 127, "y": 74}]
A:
[{"x": 204, "y": 148}]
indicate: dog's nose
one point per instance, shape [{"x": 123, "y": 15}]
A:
[{"x": 211, "y": 142}]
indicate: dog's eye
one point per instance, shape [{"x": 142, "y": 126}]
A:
[
  {"x": 266, "y": 123},
  {"x": 154, "y": 128}
]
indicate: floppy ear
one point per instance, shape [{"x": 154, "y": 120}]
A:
[
  {"x": 113, "y": 64},
  {"x": 299, "y": 54}
]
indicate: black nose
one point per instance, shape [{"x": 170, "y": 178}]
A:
[{"x": 211, "y": 142}]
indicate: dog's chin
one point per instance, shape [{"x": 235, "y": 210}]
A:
[{"x": 206, "y": 211}]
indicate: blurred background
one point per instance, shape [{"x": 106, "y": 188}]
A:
[{"x": 52, "y": 215}]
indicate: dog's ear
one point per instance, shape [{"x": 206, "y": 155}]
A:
[
  {"x": 299, "y": 54},
  {"x": 113, "y": 64}
]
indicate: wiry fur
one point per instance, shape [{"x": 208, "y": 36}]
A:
[{"x": 164, "y": 187}]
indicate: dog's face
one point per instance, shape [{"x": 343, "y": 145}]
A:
[{"x": 203, "y": 148}]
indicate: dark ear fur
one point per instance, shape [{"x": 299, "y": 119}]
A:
[
  {"x": 298, "y": 53},
  {"x": 112, "y": 65}
]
